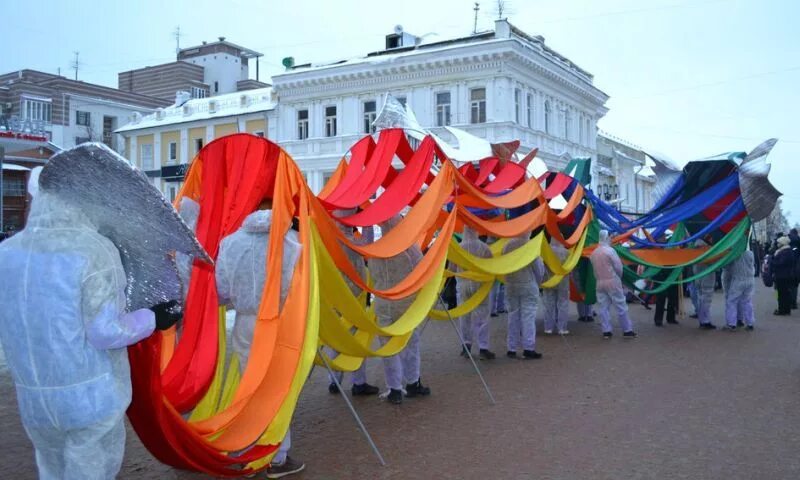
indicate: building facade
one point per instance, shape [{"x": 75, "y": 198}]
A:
[
  {"x": 500, "y": 85},
  {"x": 620, "y": 175},
  {"x": 163, "y": 144},
  {"x": 66, "y": 112},
  {"x": 206, "y": 70}
]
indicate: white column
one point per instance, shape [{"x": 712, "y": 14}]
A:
[
  {"x": 133, "y": 155},
  {"x": 241, "y": 124},
  {"x": 184, "y": 156},
  {"x": 209, "y": 134},
  {"x": 157, "y": 150}
]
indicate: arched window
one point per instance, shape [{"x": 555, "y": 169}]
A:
[{"x": 547, "y": 114}]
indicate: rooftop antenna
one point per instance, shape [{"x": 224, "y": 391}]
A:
[
  {"x": 177, "y": 34},
  {"x": 76, "y": 64},
  {"x": 475, "y": 25},
  {"x": 502, "y": 8}
]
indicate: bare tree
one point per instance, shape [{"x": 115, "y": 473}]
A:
[{"x": 777, "y": 221}]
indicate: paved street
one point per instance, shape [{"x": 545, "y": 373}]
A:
[{"x": 675, "y": 403}]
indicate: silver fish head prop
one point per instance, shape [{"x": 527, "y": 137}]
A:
[
  {"x": 127, "y": 209},
  {"x": 758, "y": 193}
]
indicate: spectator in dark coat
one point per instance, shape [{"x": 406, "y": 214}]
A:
[
  {"x": 782, "y": 267},
  {"x": 794, "y": 242}
]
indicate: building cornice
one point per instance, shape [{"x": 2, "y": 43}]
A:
[
  {"x": 486, "y": 57},
  {"x": 390, "y": 76},
  {"x": 559, "y": 75}
]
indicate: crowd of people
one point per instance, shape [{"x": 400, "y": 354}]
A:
[
  {"x": 73, "y": 388},
  {"x": 780, "y": 268}
]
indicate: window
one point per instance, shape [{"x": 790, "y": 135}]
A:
[
  {"x": 530, "y": 110},
  {"x": 547, "y": 114},
  {"x": 477, "y": 103},
  {"x": 517, "y": 104},
  {"x": 330, "y": 121},
  {"x": 259, "y": 133},
  {"x": 83, "y": 118},
  {"x": 14, "y": 187},
  {"x": 198, "y": 92},
  {"x": 581, "y": 131},
  {"x": 567, "y": 121},
  {"x": 369, "y": 117},
  {"x": 302, "y": 124},
  {"x": 198, "y": 145},
  {"x": 146, "y": 156},
  {"x": 172, "y": 191},
  {"x": 109, "y": 125},
  {"x": 37, "y": 110},
  {"x": 588, "y": 132},
  {"x": 442, "y": 109},
  {"x": 79, "y": 140},
  {"x": 216, "y": 87},
  {"x": 402, "y": 101},
  {"x": 173, "y": 152}
]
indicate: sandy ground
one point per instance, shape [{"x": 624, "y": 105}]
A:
[{"x": 675, "y": 403}]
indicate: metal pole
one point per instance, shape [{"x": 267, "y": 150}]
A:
[
  {"x": 469, "y": 353},
  {"x": 2, "y": 157},
  {"x": 350, "y": 406}
]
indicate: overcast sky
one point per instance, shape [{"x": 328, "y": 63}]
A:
[{"x": 687, "y": 78}]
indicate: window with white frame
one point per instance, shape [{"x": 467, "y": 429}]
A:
[
  {"x": 83, "y": 119},
  {"x": 198, "y": 92},
  {"x": 477, "y": 105},
  {"x": 302, "y": 124},
  {"x": 517, "y": 105},
  {"x": 442, "y": 109},
  {"x": 530, "y": 110},
  {"x": 369, "y": 116},
  {"x": 581, "y": 131},
  {"x": 146, "y": 156},
  {"x": 37, "y": 110},
  {"x": 567, "y": 121},
  {"x": 330, "y": 121},
  {"x": 172, "y": 154},
  {"x": 548, "y": 113}
]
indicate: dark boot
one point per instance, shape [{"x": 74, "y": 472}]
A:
[
  {"x": 417, "y": 389},
  {"x": 364, "y": 389}
]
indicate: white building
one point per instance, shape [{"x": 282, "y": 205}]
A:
[
  {"x": 620, "y": 175},
  {"x": 500, "y": 85},
  {"x": 204, "y": 70}
]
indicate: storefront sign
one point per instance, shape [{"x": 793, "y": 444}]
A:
[
  {"x": 23, "y": 129},
  {"x": 174, "y": 173}
]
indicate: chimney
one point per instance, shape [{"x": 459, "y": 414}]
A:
[
  {"x": 181, "y": 97},
  {"x": 502, "y": 29}
]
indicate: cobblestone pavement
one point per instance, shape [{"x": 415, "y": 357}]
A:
[{"x": 675, "y": 403}]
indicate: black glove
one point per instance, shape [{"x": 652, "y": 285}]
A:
[{"x": 167, "y": 314}]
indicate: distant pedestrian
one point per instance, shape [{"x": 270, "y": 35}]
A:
[
  {"x": 782, "y": 268},
  {"x": 607, "y": 268}
]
